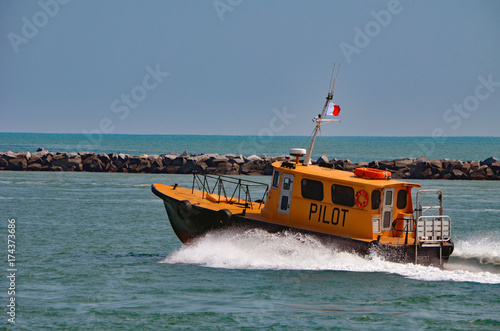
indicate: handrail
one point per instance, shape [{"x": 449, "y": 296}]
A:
[
  {"x": 421, "y": 209},
  {"x": 407, "y": 228},
  {"x": 221, "y": 182},
  {"x": 433, "y": 228}
]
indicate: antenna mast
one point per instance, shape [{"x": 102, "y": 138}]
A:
[{"x": 320, "y": 119}]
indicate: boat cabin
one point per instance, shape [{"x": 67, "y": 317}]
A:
[{"x": 337, "y": 202}]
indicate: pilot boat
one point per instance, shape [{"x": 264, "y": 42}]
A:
[{"x": 365, "y": 212}]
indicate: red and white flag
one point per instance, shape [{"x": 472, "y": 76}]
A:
[{"x": 333, "y": 109}]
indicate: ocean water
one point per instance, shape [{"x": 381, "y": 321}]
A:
[
  {"x": 96, "y": 251},
  {"x": 354, "y": 148}
]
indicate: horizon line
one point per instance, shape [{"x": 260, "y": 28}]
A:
[{"x": 236, "y": 135}]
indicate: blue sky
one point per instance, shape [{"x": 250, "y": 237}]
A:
[{"x": 249, "y": 67}]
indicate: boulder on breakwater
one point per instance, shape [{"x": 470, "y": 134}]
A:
[{"x": 231, "y": 164}]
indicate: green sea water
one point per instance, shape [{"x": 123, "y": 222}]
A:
[{"x": 96, "y": 251}]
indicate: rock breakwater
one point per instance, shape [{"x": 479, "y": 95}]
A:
[{"x": 231, "y": 164}]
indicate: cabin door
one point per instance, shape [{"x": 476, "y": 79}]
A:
[
  {"x": 387, "y": 208},
  {"x": 285, "y": 193}
]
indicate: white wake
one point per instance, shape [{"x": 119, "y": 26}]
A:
[{"x": 258, "y": 249}]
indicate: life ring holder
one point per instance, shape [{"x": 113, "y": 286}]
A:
[{"x": 363, "y": 194}]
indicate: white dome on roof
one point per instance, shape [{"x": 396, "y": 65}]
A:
[{"x": 297, "y": 151}]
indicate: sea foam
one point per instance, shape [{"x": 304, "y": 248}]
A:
[{"x": 258, "y": 249}]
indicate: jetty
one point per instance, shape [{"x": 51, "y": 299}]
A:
[{"x": 232, "y": 164}]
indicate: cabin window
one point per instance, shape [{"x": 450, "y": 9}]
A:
[
  {"x": 375, "y": 199},
  {"x": 312, "y": 189},
  {"x": 402, "y": 199},
  {"x": 276, "y": 178},
  {"x": 388, "y": 198},
  {"x": 343, "y": 195},
  {"x": 284, "y": 202},
  {"x": 287, "y": 183}
]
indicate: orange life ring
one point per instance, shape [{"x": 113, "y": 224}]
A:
[
  {"x": 361, "y": 204},
  {"x": 371, "y": 173}
]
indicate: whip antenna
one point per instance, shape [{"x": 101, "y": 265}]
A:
[
  {"x": 331, "y": 79},
  {"x": 335, "y": 80},
  {"x": 320, "y": 120}
]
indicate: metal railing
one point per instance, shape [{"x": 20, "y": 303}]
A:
[
  {"x": 239, "y": 190},
  {"x": 433, "y": 229},
  {"x": 423, "y": 209}
]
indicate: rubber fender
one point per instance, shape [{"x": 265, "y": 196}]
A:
[
  {"x": 223, "y": 217},
  {"x": 184, "y": 209}
]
